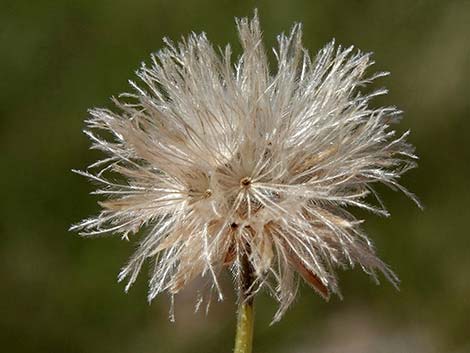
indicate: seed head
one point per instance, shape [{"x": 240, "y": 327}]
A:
[{"x": 216, "y": 161}]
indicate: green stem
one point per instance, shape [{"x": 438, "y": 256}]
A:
[
  {"x": 246, "y": 315},
  {"x": 245, "y": 324}
]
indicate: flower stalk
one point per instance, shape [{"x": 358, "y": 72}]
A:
[{"x": 246, "y": 314}]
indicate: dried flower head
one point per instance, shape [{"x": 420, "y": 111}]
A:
[{"x": 222, "y": 162}]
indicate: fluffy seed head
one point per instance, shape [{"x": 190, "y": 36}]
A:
[{"x": 218, "y": 161}]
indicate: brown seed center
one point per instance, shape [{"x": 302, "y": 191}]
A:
[{"x": 245, "y": 182}]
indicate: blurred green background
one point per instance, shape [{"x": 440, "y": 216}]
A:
[{"x": 59, "y": 292}]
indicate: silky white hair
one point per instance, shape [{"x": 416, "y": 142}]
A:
[{"x": 216, "y": 162}]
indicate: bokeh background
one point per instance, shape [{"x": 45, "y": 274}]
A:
[{"x": 58, "y": 292}]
